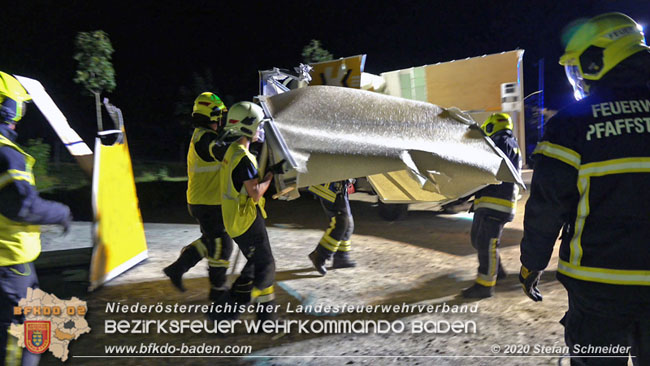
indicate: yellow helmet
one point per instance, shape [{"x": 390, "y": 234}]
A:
[
  {"x": 497, "y": 122},
  {"x": 597, "y": 45},
  {"x": 12, "y": 99},
  {"x": 209, "y": 105}
]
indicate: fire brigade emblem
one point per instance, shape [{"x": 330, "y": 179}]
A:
[{"x": 37, "y": 335}]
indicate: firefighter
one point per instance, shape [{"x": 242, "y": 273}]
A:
[
  {"x": 21, "y": 213},
  {"x": 335, "y": 243},
  {"x": 203, "y": 199},
  {"x": 493, "y": 207},
  {"x": 243, "y": 211},
  {"x": 591, "y": 179}
]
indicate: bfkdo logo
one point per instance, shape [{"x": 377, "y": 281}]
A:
[{"x": 37, "y": 335}]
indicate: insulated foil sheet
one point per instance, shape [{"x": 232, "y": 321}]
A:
[{"x": 335, "y": 133}]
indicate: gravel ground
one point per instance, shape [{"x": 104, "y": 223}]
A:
[{"x": 423, "y": 259}]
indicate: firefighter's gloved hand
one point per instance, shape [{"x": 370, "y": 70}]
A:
[
  {"x": 277, "y": 168},
  {"x": 529, "y": 281}
]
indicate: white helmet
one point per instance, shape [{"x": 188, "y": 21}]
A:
[{"x": 245, "y": 119}]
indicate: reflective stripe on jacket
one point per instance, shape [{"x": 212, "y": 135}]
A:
[
  {"x": 325, "y": 191},
  {"x": 501, "y": 199},
  {"x": 330, "y": 191},
  {"x": 591, "y": 177},
  {"x": 203, "y": 176},
  {"x": 238, "y": 209},
  {"x": 19, "y": 242}
]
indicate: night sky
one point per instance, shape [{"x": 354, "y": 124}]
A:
[{"x": 160, "y": 44}]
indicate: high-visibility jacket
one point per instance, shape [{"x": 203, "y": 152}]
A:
[
  {"x": 591, "y": 178},
  {"x": 238, "y": 208},
  {"x": 19, "y": 242},
  {"x": 203, "y": 172},
  {"x": 501, "y": 199}
]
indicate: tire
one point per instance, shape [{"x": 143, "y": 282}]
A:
[{"x": 392, "y": 211}]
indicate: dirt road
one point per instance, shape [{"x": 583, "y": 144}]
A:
[{"x": 423, "y": 259}]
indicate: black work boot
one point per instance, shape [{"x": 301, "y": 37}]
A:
[
  {"x": 343, "y": 260},
  {"x": 318, "y": 260},
  {"x": 217, "y": 276},
  {"x": 228, "y": 309},
  {"x": 478, "y": 291},
  {"x": 189, "y": 258},
  {"x": 267, "y": 311},
  {"x": 217, "y": 294},
  {"x": 241, "y": 291}
]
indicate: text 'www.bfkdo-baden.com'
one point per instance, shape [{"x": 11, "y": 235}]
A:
[{"x": 153, "y": 349}]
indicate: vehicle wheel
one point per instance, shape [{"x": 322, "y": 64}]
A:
[{"x": 392, "y": 211}]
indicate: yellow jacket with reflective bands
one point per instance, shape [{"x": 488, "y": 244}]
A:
[
  {"x": 19, "y": 242},
  {"x": 238, "y": 209},
  {"x": 203, "y": 176}
]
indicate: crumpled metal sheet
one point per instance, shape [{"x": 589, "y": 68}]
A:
[{"x": 332, "y": 133}]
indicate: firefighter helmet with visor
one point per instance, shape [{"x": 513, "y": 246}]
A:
[
  {"x": 209, "y": 105},
  {"x": 595, "y": 46},
  {"x": 12, "y": 99},
  {"x": 497, "y": 122},
  {"x": 246, "y": 119}
]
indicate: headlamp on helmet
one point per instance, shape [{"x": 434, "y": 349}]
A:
[
  {"x": 209, "y": 105},
  {"x": 597, "y": 45},
  {"x": 12, "y": 99},
  {"x": 497, "y": 122}
]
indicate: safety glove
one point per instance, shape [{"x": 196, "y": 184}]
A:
[
  {"x": 277, "y": 168},
  {"x": 529, "y": 281}
]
